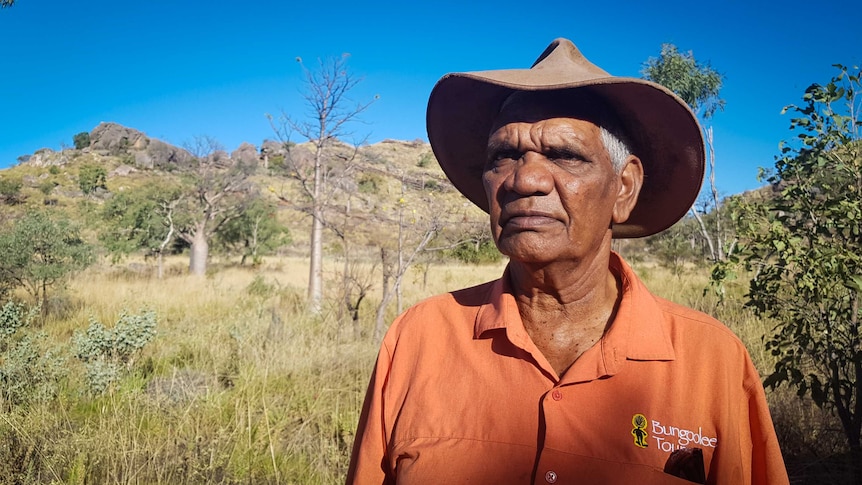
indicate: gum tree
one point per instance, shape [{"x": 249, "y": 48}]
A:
[{"x": 698, "y": 84}]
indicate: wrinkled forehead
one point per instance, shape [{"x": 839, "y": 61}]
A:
[{"x": 533, "y": 106}]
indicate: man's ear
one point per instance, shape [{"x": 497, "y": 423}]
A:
[{"x": 632, "y": 179}]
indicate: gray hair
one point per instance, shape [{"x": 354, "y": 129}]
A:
[{"x": 618, "y": 149}]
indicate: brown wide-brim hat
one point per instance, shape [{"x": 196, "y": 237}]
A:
[{"x": 660, "y": 128}]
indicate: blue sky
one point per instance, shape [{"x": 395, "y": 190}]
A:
[{"x": 177, "y": 69}]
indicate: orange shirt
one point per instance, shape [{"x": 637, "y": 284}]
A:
[{"x": 460, "y": 394}]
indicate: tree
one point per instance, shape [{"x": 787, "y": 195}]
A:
[
  {"x": 6, "y": 3},
  {"x": 37, "y": 252},
  {"x": 698, "y": 85},
  {"x": 221, "y": 190},
  {"x": 81, "y": 140},
  {"x": 92, "y": 177},
  {"x": 804, "y": 243},
  {"x": 330, "y": 113},
  {"x": 141, "y": 219},
  {"x": 255, "y": 232}
]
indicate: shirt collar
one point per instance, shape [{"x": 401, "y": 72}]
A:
[{"x": 637, "y": 332}]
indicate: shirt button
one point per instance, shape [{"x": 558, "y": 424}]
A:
[
  {"x": 557, "y": 395},
  {"x": 551, "y": 476}
]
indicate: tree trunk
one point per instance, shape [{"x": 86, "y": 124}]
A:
[
  {"x": 315, "y": 266},
  {"x": 719, "y": 243},
  {"x": 160, "y": 264},
  {"x": 705, "y": 232},
  {"x": 380, "y": 323},
  {"x": 315, "y": 270},
  {"x": 199, "y": 254}
]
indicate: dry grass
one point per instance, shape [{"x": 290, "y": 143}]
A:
[{"x": 242, "y": 386}]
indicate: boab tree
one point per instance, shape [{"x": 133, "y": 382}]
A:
[
  {"x": 220, "y": 189},
  {"x": 330, "y": 112}
]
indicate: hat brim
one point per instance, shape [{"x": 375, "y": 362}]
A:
[{"x": 661, "y": 129}]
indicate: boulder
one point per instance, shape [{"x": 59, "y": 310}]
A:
[
  {"x": 246, "y": 154},
  {"x": 116, "y": 138},
  {"x": 163, "y": 156}
]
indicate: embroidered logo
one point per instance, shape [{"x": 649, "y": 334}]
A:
[{"x": 639, "y": 421}]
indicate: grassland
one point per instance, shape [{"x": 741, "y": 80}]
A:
[{"x": 242, "y": 386}]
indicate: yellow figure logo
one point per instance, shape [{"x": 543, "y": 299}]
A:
[{"x": 639, "y": 422}]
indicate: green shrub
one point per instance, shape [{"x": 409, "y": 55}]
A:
[
  {"x": 108, "y": 353},
  {"x": 46, "y": 186},
  {"x": 54, "y": 170},
  {"x": 29, "y": 373},
  {"x": 425, "y": 160},
  {"x": 92, "y": 177},
  {"x": 369, "y": 183},
  {"x": 10, "y": 189}
]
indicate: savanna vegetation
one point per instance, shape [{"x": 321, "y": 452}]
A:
[{"x": 160, "y": 321}]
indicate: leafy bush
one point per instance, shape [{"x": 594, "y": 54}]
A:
[
  {"x": 369, "y": 183},
  {"x": 10, "y": 190},
  {"x": 108, "y": 353},
  {"x": 28, "y": 372},
  {"x": 425, "y": 160},
  {"x": 92, "y": 177},
  {"x": 47, "y": 186}
]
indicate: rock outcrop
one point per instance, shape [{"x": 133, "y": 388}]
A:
[{"x": 147, "y": 153}]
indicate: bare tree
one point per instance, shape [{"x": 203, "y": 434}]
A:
[
  {"x": 330, "y": 112},
  {"x": 415, "y": 229},
  {"x": 220, "y": 189}
]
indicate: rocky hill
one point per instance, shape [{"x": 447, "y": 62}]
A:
[{"x": 376, "y": 184}]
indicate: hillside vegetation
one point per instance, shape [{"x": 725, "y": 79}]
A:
[{"x": 135, "y": 371}]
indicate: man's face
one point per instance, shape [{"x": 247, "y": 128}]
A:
[{"x": 552, "y": 189}]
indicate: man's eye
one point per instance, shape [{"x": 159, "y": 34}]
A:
[
  {"x": 566, "y": 157},
  {"x": 502, "y": 157}
]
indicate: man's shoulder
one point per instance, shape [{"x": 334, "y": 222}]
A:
[
  {"x": 686, "y": 324},
  {"x": 446, "y": 309}
]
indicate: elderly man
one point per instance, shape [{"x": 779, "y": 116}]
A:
[{"x": 565, "y": 370}]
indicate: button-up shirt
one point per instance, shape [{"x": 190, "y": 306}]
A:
[{"x": 461, "y": 394}]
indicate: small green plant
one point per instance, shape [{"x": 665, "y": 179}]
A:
[
  {"x": 54, "y": 170},
  {"x": 46, "y": 187},
  {"x": 369, "y": 183},
  {"x": 10, "y": 190},
  {"x": 28, "y": 372},
  {"x": 425, "y": 160},
  {"x": 108, "y": 353}
]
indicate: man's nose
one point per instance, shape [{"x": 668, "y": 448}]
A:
[{"x": 531, "y": 175}]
